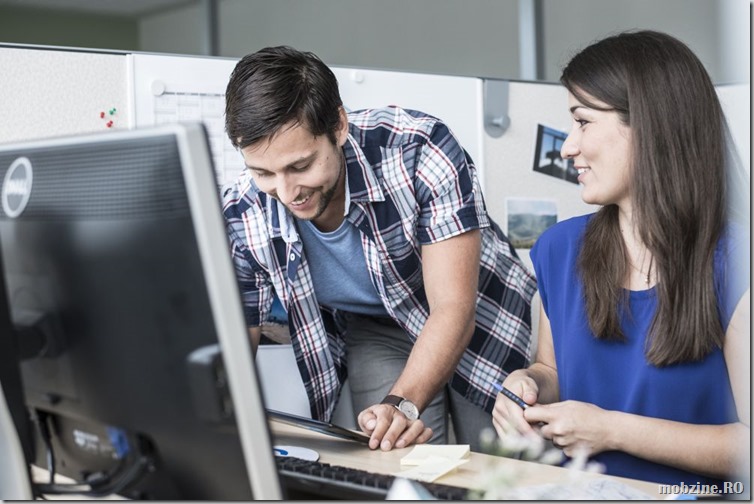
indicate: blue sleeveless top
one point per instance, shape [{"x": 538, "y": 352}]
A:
[{"x": 616, "y": 375}]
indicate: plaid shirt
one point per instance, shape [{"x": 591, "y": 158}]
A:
[{"x": 410, "y": 184}]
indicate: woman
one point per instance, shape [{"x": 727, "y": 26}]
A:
[{"x": 644, "y": 327}]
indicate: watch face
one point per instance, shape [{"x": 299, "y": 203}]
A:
[
  {"x": 403, "y": 405},
  {"x": 409, "y": 409}
]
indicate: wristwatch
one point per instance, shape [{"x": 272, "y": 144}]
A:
[{"x": 403, "y": 405}]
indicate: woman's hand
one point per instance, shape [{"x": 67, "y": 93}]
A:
[
  {"x": 507, "y": 416},
  {"x": 573, "y": 426}
]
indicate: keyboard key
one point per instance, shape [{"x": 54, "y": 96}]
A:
[{"x": 326, "y": 480}]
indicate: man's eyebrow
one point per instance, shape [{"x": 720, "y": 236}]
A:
[{"x": 303, "y": 159}]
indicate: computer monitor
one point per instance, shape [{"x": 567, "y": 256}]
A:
[
  {"x": 135, "y": 360},
  {"x": 15, "y": 435}
]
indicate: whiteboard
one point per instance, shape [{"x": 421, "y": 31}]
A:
[
  {"x": 455, "y": 100},
  {"x": 167, "y": 88}
]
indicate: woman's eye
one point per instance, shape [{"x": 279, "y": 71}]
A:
[{"x": 581, "y": 122}]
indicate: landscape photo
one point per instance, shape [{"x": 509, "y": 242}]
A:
[{"x": 529, "y": 218}]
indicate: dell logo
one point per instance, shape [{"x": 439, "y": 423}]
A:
[{"x": 17, "y": 187}]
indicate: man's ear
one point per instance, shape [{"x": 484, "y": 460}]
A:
[{"x": 342, "y": 131}]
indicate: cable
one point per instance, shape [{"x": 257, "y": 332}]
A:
[
  {"x": 41, "y": 419},
  {"x": 104, "y": 485},
  {"x": 98, "y": 484}
]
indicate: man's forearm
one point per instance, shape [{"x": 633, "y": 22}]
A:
[
  {"x": 435, "y": 355},
  {"x": 255, "y": 336},
  {"x": 450, "y": 273}
]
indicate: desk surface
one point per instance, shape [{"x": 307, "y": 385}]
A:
[{"x": 346, "y": 453}]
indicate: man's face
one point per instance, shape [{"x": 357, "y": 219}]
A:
[{"x": 302, "y": 171}]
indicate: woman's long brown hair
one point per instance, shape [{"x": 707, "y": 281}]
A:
[{"x": 660, "y": 90}]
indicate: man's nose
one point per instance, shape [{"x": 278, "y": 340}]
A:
[{"x": 286, "y": 189}]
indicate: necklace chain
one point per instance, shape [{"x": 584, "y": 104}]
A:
[{"x": 648, "y": 275}]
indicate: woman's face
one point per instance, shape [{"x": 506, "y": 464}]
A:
[{"x": 600, "y": 146}]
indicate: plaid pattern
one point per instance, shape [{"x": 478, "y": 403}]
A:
[{"x": 410, "y": 184}]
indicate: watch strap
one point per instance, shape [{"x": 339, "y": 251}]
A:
[
  {"x": 403, "y": 405},
  {"x": 393, "y": 400}
]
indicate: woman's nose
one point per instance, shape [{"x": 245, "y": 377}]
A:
[{"x": 569, "y": 149}]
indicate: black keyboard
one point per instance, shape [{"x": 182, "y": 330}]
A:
[{"x": 305, "y": 479}]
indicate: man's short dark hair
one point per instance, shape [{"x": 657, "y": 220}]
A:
[{"x": 278, "y": 85}]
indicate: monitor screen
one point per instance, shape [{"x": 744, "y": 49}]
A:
[{"x": 137, "y": 371}]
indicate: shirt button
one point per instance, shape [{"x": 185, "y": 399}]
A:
[{"x": 292, "y": 257}]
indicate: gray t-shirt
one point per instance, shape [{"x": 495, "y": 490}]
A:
[{"x": 339, "y": 269}]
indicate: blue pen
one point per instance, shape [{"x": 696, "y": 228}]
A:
[{"x": 510, "y": 395}]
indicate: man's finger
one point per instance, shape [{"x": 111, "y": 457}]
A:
[
  {"x": 413, "y": 434},
  {"x": 398, "y": 425},
  {"x": 383, "y": 420}
]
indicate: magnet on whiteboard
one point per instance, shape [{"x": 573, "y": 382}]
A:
[
  {"x": 357, "y": 77},
  {"x": 158, "y": 87}
]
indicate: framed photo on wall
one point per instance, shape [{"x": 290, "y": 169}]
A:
[{"x": 547, "y": 158}]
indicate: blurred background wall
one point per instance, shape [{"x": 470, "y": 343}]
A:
[{"x": 513, "y": 39}]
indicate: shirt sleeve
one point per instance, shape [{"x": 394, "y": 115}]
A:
[
  {"x": 253, "y": 280},
  {"x": 254, "y": 285},
  {"x": 447, "y": 189},
  {"x": 537, "y": 255},
  {"x": 554, "y": 257}
]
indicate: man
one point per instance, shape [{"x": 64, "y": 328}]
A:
[{"x": 371, "y": 229}]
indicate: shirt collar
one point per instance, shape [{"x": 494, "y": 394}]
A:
[
  {"x": 348, "y": 191},
  {"x": 361, "y": 182}
]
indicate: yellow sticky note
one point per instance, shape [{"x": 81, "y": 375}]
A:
[
  {"x": 431, "y": 468},
  {"x": 422, "y": 452}
]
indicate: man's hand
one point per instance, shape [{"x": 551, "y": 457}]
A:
[{"x": 390, "y": 428}]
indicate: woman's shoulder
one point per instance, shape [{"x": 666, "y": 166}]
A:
[
  {"x": 566, "y": 231},
  {"x": 561, "y": 241},
  {"x": 733, "y": 261},
  {"x": 735, "y": 234}
]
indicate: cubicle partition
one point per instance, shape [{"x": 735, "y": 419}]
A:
[
  {"x": 512, "y": 129},
  {"x": 54, "y": 91}
]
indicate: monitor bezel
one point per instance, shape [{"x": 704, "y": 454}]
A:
[{"x": 222, "y": 288}]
